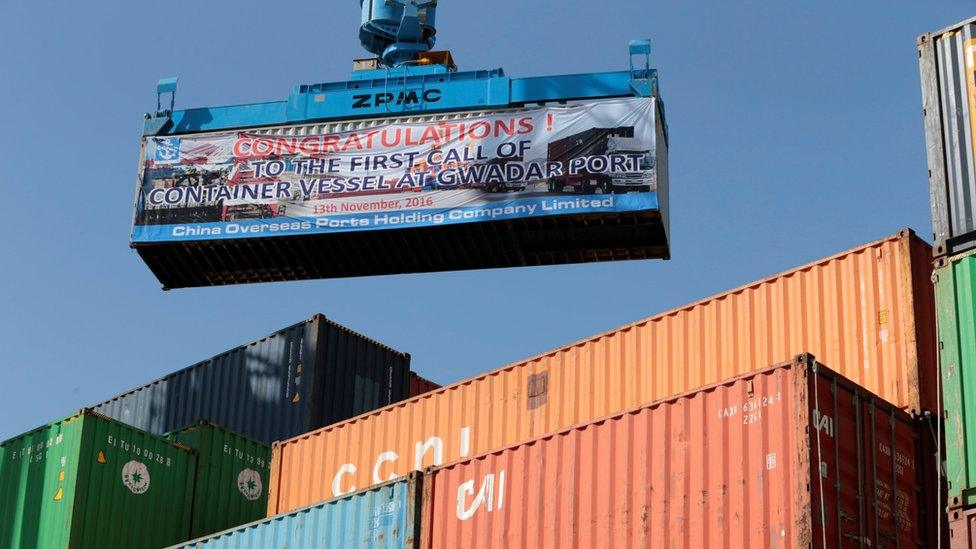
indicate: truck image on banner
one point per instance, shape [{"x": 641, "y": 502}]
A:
[{"x": 603, "y": 158}]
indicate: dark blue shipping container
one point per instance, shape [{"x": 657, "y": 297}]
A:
[{"x": 306, "y": 376}]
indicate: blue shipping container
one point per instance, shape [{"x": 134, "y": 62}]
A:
[
  {"x": 386, "y": 516},
  {"x": 309, "y": 375}
]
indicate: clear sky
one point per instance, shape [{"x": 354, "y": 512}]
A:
[{"x": 795, "y": 133}]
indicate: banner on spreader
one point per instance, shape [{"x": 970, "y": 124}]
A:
[{"x": 596, "y": 157}]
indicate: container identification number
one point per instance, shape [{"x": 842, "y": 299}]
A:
[
  {"x": 138, "y": 451},
  {"x": 750, "y": 410}
]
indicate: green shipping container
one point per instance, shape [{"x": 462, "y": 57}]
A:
[
  {"x": 231, "y": 478},
  {"x": 88, "y": 481},
  {"x": 955, "y": 297}
]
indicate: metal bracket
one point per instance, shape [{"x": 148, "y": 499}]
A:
[
  {"x": 154, "y": 124},
  {"x": 642, "y": 78},
  {"x": 166, "y": 85}
]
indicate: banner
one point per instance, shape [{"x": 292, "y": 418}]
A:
[{"x": 578, "y": 159}]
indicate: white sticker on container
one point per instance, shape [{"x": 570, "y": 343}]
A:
[
  {"x": 135, "y": 477},
  {"x": 249, "y": 483}
]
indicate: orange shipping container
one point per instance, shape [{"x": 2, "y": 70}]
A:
[
  {"x": 741, "y": 464},
  {"x": 867, "y": 312}
]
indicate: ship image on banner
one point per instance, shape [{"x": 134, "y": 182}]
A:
[{"x": 587, "y": 158}]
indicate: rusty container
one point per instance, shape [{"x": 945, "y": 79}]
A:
[
  {"x": 790, "y": 456},
  {"x": 868, "y": 312},
  {"x": 419, "y": 385},
  {"x": 962, "y": 528}
]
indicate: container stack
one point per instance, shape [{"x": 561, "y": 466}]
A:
[
  {"x": 948, "y": 73},
  {"x": 189, "y": 455},
  {"x": 869, "y": 311},
  {"x": 673, "y": 427},
  {"x": 793, "y": 455},
  {"x": 90, "y": 481},
  {"x": 955, "y": 290}
]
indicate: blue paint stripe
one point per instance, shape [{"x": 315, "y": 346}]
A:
[{"x": 401, "y": 219}]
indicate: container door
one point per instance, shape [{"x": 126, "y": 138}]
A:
[
  {"x": 835, "y": 466},
  {"x": 895, "y": 479}
]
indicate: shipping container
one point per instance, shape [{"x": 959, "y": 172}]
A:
[
  {"x": 868, "y": 311},
  {"x": 402, "y": 194},
  {"x": 419, "y": 385},
  {"x": 962, "y": 528},
  {"x": 955, "y": 292},
  {"x": 386, "y": 516},
  {"x": 231, "y": 477},
  {"x": 303, "y": 377},
  {"x": 790, "y": 456},
  {"x": 89, "y": 481},
  {"x": 946, "y": 63}
]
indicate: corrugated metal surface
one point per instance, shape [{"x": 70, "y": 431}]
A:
[
  {"x": 231, "y": 479},
  {"x": 946, "y": 62},
  {"x": 305, "y": 376},
  {"x": 955, "y": 290},
  {"x": 87, "y": 481},
  {"x": 548, "y": 240},
  {"x": 868, "y": 312},
  {"x": 419, "y": 385},
  {"x": 383, "y": 517},
  {"x": 736, "y": 465}
]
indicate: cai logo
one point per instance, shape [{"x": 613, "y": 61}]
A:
[
  {"x": 249, "y": 483},
  {"x": 135, "y": 477},
  {"x": 167, "y": 150}
]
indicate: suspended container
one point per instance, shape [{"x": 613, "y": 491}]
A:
[
  {"x": 386, "y": 516},
  {"x": 790, "y": 456},
  {"x": 955, "y": 292},
  {"x": 89, "y": 481},
  {"x": 869, "y": 311},
  {"x": 404, "y": 193},
  {"x": 947, "y": 66},
  {"x": 231, "y": 477},
  {"x": 306, "y": 376}
]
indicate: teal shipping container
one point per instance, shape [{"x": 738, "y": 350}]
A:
[
  {"x": 87, "y": 481},
  {"x": 384, "y": 517},
  {"x": 231, "y": 480}
]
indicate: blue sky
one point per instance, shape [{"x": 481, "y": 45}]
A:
[{"x": 795, "y": 133}]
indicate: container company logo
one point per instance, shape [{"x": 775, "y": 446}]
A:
[
  {"x": 249, "y": 483},
  {"x": 167, "y": 150},
  {"x": 135, "y": 477}
]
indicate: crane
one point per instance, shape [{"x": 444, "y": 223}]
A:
[
  {"x": 398, "y": 31},
  {"x": 405, "y": 76}
]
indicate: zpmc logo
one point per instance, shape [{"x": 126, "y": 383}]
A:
[{"x": 412, "y": 97}]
